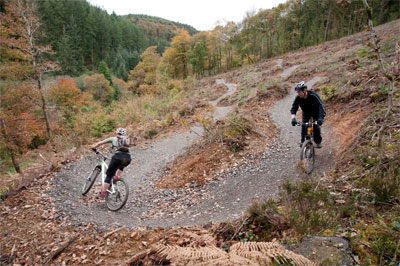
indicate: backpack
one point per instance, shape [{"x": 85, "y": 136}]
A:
[{"x": 124, "y": 141}]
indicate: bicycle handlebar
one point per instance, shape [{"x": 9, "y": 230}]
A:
[
  {"x": 307, "y": 123},
  {"x": 97, "y": 152}
]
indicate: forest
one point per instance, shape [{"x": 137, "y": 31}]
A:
[
  {"x": 82, "y": 35},
  {"x": 72, "y": 71}
]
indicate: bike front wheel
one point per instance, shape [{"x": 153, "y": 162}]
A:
[
  {"x": 90, "y": 180},
  {"x": 307, "y": 156},
  {"x": 117, "y": 195}
]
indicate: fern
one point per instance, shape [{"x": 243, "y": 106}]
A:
[
  {"x": 249, "y": 253},
  {"x": 267, "y": 251}
]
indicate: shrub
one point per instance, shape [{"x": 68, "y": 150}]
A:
[
  {"x": 327, "y": 92},
  {"x": 99, "y": 87},
  {"x": 101, "y": 124},
  {"x": 378, "y": 241},
  {"x": 265, "y": 217},
  {"x": 175, "y": 84},
  {"x": 231, "y": 131},
  {"x": 309, "y": 209},
  {"x": 151, "y": 133},
  {"x": 3, "y": 192}
]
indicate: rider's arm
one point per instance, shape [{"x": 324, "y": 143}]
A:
[
  {"x": 322, "y": 109},
  {"x": 98, "y": 144},
  {"x": 295, "y": 107},
  {"x": 108, "y": 140},
  {"x": 320, "y": 105}
]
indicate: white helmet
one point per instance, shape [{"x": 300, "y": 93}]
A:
[
  {"x": 300, "y": 86},
  {"x": 121, "y": 131}
]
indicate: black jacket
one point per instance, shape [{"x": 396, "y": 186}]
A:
[{"x": 311, "y": 106}]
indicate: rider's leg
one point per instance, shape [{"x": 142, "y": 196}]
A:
[
  {"x": 317, "y": 134},
  {"x": 125, "y": 161},
  {"x": 118, "y": 173},
  {"x": 112, "y": 169},
  {"x": 104, "y": 188}
]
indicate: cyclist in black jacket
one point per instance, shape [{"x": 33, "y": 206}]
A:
[{"x": 312, "y": 106}]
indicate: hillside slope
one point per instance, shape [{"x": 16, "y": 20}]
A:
[{"x": 155, "y": 27}]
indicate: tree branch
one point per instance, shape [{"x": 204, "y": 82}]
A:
[
  {"x": 60, "y": 249},
  {"x": 385, "y": 72}
]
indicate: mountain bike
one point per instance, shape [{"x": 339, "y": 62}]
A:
[
  {"x": 118, "y": 192},
  {"x": 307, "y": 153}
]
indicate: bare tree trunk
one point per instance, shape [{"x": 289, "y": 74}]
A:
[
  {"x": 327, "y": 23},
  {"x": 9, "y": 150},
  {"x": 44, "y": 107},
  {"x": 31, "y": 26},
  {"x": 387, "y": 75},
  {"x": 220, "y": 59}
]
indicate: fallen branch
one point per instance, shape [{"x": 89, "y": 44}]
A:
[
  {"x": 240, "y": 228},
  {"x": 12, "y": 255},
  {"x": 195, "y": 132},
  {"x": 44, "y": 159},
  {"x": 397, "y": 59},
  {"x": 60, "y": 249},
  {"x": 138, "y": 256},
  {"x": 112, "y": 232}
]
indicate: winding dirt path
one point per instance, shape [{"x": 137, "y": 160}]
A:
[{"x": 223, "y": 198}]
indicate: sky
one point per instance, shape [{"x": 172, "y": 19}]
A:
[{"x": 200, "y": 14}]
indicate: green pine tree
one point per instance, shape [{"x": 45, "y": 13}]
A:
[{"x": 103, "y": 69}]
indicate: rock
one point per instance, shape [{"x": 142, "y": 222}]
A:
[{"x": 325, "y": 250}]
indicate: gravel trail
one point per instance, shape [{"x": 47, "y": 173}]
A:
[{"x": 223, "y": 198}]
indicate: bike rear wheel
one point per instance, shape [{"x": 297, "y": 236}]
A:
[
  {"x": 307, "y": 156},
  {"x": 90, "y": 180},
  {"x": 117, "y": 195}
]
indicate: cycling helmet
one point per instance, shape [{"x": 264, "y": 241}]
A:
[
  {"x": 300, "y": 86},
  {"x": 121, "y": 131}
]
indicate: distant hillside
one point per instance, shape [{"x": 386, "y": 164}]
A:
[{"x": 159, "y": 28}]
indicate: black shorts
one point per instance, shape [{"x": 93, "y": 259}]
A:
[{"x": 120, "y": 160}]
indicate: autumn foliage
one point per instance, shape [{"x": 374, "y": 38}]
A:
[
  {"x": 145, "y": 72},
  {"x": 67, "y": 96},
  {"x": 99, "y": 87}
]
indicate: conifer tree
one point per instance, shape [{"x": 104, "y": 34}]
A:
[{"x": 103, "y": 69}]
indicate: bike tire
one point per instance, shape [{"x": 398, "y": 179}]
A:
[
  {"x": 115, "y": 201},
  {"x": 307, "y": 156},
  {"x": 90, "y": 181}
]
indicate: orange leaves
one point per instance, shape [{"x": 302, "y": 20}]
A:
[
  {"x": 18, "y": 115},
  {"x": 67, "y": 96},
  {"x": 176, "y": 55},
  {"x": 181, "y": 39},
  {"x": 145, "y": 72},
  {"x": 16, "y": 99}
]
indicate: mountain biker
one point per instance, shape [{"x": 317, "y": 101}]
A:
[
  {"x": 312, "y": 107},
  {"x": 119, "y": 160}
]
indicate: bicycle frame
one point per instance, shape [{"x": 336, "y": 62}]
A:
[
  {"x": 310, "y": 130},
  {"x": 104, "y": 166},
  {"x": 307, "y": 155}
]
